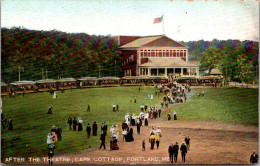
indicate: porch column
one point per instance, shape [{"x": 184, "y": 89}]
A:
[
  {"x": 173, "y": 73},
  {"x": 139, "y": 73},
  {"x": 165, "y": 72},
  {"x": 157, "y": 71},
  {"x": 149, "y": 71},
  {"x": 182, "y": 72},
  {"x": 189, "y": 71},
  {"x": 197, "y": 72}
]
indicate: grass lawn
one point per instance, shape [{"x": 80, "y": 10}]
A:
[
  {"x": 32, "y": 123},
  {"x": 235, "y": 105}
]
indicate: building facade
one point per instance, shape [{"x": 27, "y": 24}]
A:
[{"x": 155, "y": 56}]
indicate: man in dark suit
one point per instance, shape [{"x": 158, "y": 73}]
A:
[
  {"x": 159, "y": 112},
  {"x": 88, "y": 130},
  {"x": 187, "y": 141},
  {"x": 103, "y": 140},
  {"x": 176, "y": 150},
  {"x": 75, "y": 124},
  {"x": 254, "y": 158},
  {"x": 183, "y": 152},
  {"x": 105, "y": 127},
  {"x": 70, "y": 122},
  {"x": 171, "y": 152}
]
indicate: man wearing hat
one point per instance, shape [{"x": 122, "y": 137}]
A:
[
  {"x": 176, "y": 150},
  {"x": 254, "y": 158},
  {"x": 183, "y": 152},
  {"x": 88, "y": 130},
  {"x": 171, "y": 152}
]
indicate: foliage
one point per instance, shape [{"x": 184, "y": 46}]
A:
[
  {"x": 57, "y": 54},
  {"x": 238, "y": 60}
]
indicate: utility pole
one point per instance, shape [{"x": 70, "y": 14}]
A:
[
  {"x": 19, "y": 71},
  {"x": 46, "y": 74},
  {"x": 115, "y": 67},
  {"x": 111, "y": 69},
  {"x": 42, "y": 73},
  {"x": 98, "y": 71},
  {"x": 19, "y": 68}
]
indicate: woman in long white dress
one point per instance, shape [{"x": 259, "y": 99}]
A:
[{"x": 49, "y": 138}]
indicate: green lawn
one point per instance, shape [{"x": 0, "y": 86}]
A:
[
  {"x": 235, "y": 105},
  {"x": 32, "y": 123}
]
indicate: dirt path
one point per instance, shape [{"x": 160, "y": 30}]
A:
[{"x": 211, "y": 143}]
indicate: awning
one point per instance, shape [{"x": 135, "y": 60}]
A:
[
  {"x": 23, "y": 83},
  {"x": 109, "y": 78},
  {"x": 134, "y": 77},
  {"x": 67, "y": 80},
  {"x": 46, "y": 81},
  {"x": 168, "y": 62},
  {"x": 88, "y": 79}
]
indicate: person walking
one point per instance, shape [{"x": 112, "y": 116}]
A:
[
  {"x": 152, "y": 140},
  {"x": 159, "y": 112},
  {"x": 183, "y": 152},
  {"x": 94, "y": 128},
  {"x": 162, "y": 104},
  {"x": 187, "y": 141},
  {"x": 176, "y": 151},
  {"x": 254, "y": 158},
  {"x": 70, "y": 123},
  {"x": 114, "y": 107},
  {"x": 88, "y": 110},
  {"x": 143, "y": 145},
  {"x": 75, "y": 124},
  {"x": 59, "y": 131},
  {"x": 50, "y": 156},
  {"x": 169, "y": 116},
  {"x": 157, "y": 139},
  {"x": 88, "y": 130},
  {"x": 175, "y": 115},
  {"x": 103, "y": 140},
  {"x": 138, "y": 128},
  {"x": 171, "y": 152},
  {"x": 50, "y": 110},
  {"x": 10, "y": 125}
]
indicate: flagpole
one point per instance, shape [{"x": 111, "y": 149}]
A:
[
  {"x": 163, "y": 23},
  {"x": 163, "y": 26}
]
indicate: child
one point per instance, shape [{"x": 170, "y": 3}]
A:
[{"x": 143, "y": 145}]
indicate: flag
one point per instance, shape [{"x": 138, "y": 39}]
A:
[{"x": 158, "y": 20}]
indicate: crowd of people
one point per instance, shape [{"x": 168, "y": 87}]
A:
[
  {"x": 176, "y": 93},
  {"x": 52, "y": 138}
]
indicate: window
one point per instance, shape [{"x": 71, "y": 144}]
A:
[{"x": 174, "y": 53}]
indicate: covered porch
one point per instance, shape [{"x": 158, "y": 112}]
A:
[
  {"x": 169, "y": 71},
  {"x": 168, "y": 66}
]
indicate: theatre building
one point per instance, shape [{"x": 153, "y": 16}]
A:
[{"x": 155, "y": 56}]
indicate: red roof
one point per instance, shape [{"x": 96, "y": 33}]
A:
[{"x": 152, "y": 41}]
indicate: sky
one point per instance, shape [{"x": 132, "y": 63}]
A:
[{"x": 184, "y": 20}]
